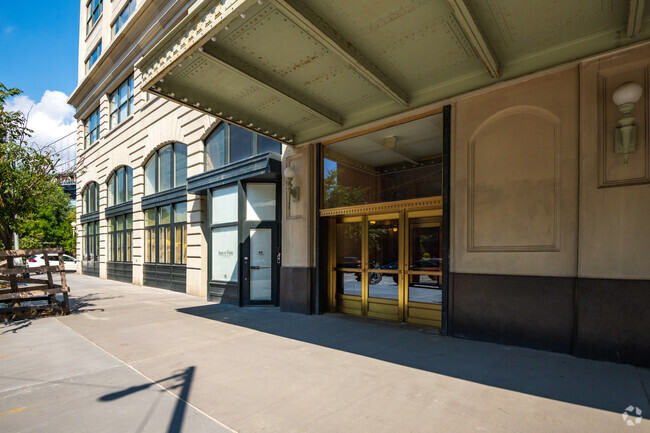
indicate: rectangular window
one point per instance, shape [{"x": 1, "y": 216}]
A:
[
  {"x": 225, "y": 205},
  {"x": 111, "y": 243},
  {"x": 93, "y": 12},
  {"x": 165, "y": 168},
  {"x": 94, "y": 56},
  {"x": 128, "y": 10},
  {"x": 180, "y": 233},
  {"x": 91, "y": 129},
  {"x": 260, "y": 202},
  {"x": 165, "y": 234},
  {"x": 225, "y": 253},
  {"x": 122, "y": 102},
  {"x": 150, "y": 236}
]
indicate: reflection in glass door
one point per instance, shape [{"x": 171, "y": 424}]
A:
[
  {"x": 347, "y": 272},
  {"x": 383, "y": 266},
  {"x": 261, "y": 264},
  {"x": 388, "y": 266},
  {"x": 424, "y": 271}
]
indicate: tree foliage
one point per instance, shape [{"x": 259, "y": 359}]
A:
[
  {"x": 337, "y": 195},
  {"x": 50, "y": 226},
  {"x": 28, "y": 185}
]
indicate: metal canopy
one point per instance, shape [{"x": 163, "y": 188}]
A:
[{"x": 297, "y": 70}]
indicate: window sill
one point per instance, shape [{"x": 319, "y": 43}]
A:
[
  {"x": 153, "y": 99},
  {"x": 119, "y": 125},
  {"x": 90, "y": 31}
]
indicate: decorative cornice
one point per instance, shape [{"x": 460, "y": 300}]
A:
[
  {"x": 194, "y": 31},
  {"x": 385, "y": 207}
]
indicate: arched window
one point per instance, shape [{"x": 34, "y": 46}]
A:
[
  {"x": 90, "y": 198},
  {"x": 120, "y": 224},
  {"x": 90, "y": 230},
  {"x": 166, "y": 169},
  {"x": 120, "y": 186},
  {"x": 229, "y": 143}
]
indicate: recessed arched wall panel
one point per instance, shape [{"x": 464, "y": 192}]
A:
[
  {"x": 514, "y": 179},
  {"x": 514, "y": 182}
]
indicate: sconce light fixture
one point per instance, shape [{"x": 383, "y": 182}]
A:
[
  {"x": 625, "y": 96},
  {"x": 292, "y": 191}
]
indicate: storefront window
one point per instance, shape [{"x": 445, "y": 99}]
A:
[
  {"x": 165, "y": 235},
  {"x": 120, "y": 236},
  {"x": 225, "y": 233}
]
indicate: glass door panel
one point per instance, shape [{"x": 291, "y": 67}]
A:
[
  {"x": 383, "y": 266},
  {"x": 261, "y": 251},
  {"x": 383, "y": 258},
  {"x": 424, "y": 269},
  {"x": 348, "y": 278},
  {"x": 348, "y": 257}
]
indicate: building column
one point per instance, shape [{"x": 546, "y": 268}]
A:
[{"x": 298, "y": 272}]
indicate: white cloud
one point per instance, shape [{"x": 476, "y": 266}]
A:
[{"x": 50, "y": 120}]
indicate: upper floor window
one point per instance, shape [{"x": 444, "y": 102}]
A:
[
  {"x": 122, "y": 19},
  {"x": 92, "y": 59},
  {"x": 90, "y": 198},
  {"x": 122, "y": 102},
  {"x": 229, "y": 143},
  {"x": 166, "y": 169},
  {"x": 93, "y": 11},
  {"x": 120, "y": 186},
  {"x": 91, "y": 128}
]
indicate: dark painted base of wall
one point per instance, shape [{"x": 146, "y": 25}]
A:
[
  {"x": 119, "y": 271},
  {"x": 297, "y": 289},
  {"x": 91, "y": 269},
  {"x": 598, "y": 319},
  {"x": 164, "y": 276},
  {"x": 613, "y": 320},
  {"x": 224, "y": 293}
]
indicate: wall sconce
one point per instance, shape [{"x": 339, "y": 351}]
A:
[
  {"x": 625, "y": 96},
  {"x": 292, "y": 191}
]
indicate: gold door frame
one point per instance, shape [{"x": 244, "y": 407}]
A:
[{"x": 404, "y": 311}]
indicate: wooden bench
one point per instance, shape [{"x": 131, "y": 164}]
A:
[{"x": 22, "y": 288}]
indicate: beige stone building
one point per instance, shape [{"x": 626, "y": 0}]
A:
[{"x": 481, "y": 167}]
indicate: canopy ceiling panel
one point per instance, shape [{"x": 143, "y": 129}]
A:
[{"x": 298, "y": 70}]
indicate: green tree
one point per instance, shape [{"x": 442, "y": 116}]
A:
[
  {"x": 50, "y": 226},
  {"x": 337, "y": 195},
  {"x": 27, "y": 173}
]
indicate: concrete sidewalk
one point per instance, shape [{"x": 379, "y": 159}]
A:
[{"x": 138, "y": 359}]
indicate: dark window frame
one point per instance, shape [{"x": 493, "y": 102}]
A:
[
  {"x": 121, "y": 19},
  {"x": 116, "y": 197},
  {"x": 88, "y": 130},
  {"x": 90, "y": 196},
  {"x": 93, "y": 57},
  {"x": 115, "y": 105},
  {"x": 90, "y": 241},
  {"x": 256, "y": 138},
  {"x": 155, "y": 159},
  {"x": 94, "y": 9},
  {"x": 152, "y": 241},
  {"x": 125, "y": 235}
]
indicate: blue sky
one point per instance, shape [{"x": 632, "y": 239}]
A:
[{"x": 39, "y": 41}]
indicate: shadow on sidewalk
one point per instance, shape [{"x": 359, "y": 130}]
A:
[
  {"x": 602, "y": 385},
  {"x": 181, "y": 380}
]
